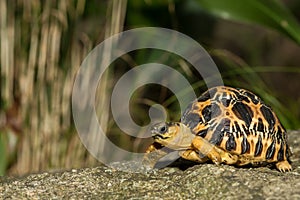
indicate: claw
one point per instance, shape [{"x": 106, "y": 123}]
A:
[{"x": 284, "y": 166}]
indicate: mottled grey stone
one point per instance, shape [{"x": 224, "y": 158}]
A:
[{"x": 205, "y": 181}]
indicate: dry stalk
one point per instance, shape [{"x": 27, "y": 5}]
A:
[{"x": 39, "y": 68}]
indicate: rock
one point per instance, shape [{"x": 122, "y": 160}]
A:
[{"x": 205, "y": 181}]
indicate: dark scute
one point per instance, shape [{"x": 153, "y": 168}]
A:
[
  {"x": 280, "y": 133},
  {"x": 230, "y": 144},
  {"x": 217, "y": 96},
  {"x": 217, "y": 137},
  {"x": 209, "y": 94},
  {"x": 243, "y": 112},
  {"x": 204, "y": 97},
  {"x": 226, "y": 102},
  {"x": 268, "y": 115},
  {"x": 224, "y": 95},
  {"x": 212, "y": 92},
  {"x": 258, "y": 146},
  {"x": 191, "y": 120},
  {"x": 246, "y": 130},
  {"x": 215, "y": 110},
  {"x": 260, "y": 125},
  {"x": 220, "y": 126},
  {"x": 202, "y": 133},
  {"x": 219, "y": 130},
  {"x": 271, "y": 151},
  {"x": 237, "y": 127},
  {"x": 226, "y": 124},
  {"x": 206, "y": 113},
  {"x": 255, "y": 128},
  {"x": 236, "y": 92},
  {"x": 234, "y": 130},
  {"x": 245, "y": 145},
  {"x": 243, "y": 98},
  {"x": 253, "y": 98},
  {"x": 280, "y": 153}
]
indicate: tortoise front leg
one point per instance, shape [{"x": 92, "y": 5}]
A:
[
  {"x": 151, "y": 148},
  {"x": 216, "y": 154},
  {"x": 153, "y": 155}
]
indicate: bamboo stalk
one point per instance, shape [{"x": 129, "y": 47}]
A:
[
  {"x": 31, "y": 59},
  {"x": 6, "y": 56},
  {"x": 115, "y": 16}
]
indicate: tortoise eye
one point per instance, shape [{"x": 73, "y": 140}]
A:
[{"x": 163, "y": 129}]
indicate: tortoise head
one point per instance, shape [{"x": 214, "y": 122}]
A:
[{"x": 175, "y": 136}]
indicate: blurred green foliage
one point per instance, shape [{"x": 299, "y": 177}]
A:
[
  {"x": 199, "y": 18},
  {"x": 269, "y": 13},
  {"x": 3, "y": 154}
]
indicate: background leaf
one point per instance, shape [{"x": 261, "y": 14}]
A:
[{"x": 269, "y": 13}]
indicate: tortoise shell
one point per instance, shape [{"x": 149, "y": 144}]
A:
[
  {"x": 238, "y": 121},
  {"x": 226, "y": 125}
]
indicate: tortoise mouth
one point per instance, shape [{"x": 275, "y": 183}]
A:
[{"x": 160, "y": 137}]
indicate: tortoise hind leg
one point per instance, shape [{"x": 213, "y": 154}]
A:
[
  {"x": 283, "y": 166},
  {"x": 193, "y": 156},
  {"x": 216, "y": 154}
]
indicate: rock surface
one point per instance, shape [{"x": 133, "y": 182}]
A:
[{"x": 206, "y": 181}]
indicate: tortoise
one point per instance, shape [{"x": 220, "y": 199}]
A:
[{"x": 226, "y": 125}]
